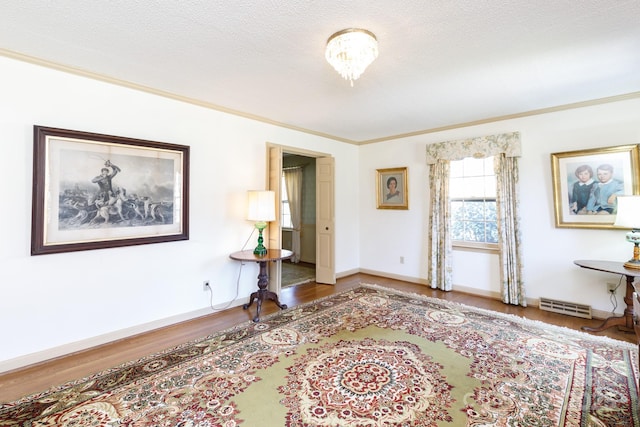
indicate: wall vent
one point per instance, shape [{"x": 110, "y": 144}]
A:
[{"x": 564, "y": 307}]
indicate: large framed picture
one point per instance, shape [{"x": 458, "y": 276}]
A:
[
  {"x": 586, "y": 184},
  {"x": 93, "y": 191},
  {"x": 392, "y": 188}
]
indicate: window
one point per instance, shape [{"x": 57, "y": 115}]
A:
[
  {"x": 472, "y": 189},
  {"x": 286, "y": 210}
]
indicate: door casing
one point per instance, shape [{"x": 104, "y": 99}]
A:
[{"x": 325, "y": 212}]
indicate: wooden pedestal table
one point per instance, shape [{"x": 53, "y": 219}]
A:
[
  {"x": 624, "y": 322},
  {"x": 263, "y": 276}
]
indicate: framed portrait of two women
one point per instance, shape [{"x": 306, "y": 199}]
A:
[
  {"x": 392, "y": 188},
  {"x": 586, "y": 184}
]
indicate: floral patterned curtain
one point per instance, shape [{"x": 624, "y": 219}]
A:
[
  {"x": 503, "y": 146},
  {"x": 293, "y": 182},
  {"x": 485, "y": 146},
  {"x": 510, "y": 237},
  {"x": 439, "y": 249}
]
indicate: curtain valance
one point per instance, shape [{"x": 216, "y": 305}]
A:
[{"x": 484, "y": 146}]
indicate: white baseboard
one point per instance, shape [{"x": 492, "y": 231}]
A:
[
  {"x": 531, "y": 302},
  {"x": 52, "y": 353},
  {"x": 347, "y": 273},
  {"x": 425, "y": 282},
  {"x": 74, "y": 347},
  {"x": 394, "y": 276}
]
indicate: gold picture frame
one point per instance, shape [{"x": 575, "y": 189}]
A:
[
  {"x": 392, "y": 188},
  {"x": 576, "y": 202}
]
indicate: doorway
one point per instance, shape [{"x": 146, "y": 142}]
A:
[
  {"x": 324, "y": 212},
  {"x": 298, "y": 218}
]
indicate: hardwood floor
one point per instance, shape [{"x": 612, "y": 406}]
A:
[{"x": 39, "y": 377}]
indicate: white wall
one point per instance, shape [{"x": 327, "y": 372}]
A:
[
  {"x": 51, "y": 303},
  {"x": 549, "y": 252},
  {"x": 83, "y": 298}
]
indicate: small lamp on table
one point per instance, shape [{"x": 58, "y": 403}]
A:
[
  {"x": 261, "y": 209},
  {"x": 628, "y": 216}
]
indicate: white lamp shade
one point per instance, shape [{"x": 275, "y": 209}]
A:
[
  {"x": 628, "y": 212},
  {"x": 262, "y": 206}
]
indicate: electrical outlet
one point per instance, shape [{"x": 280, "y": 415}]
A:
[
  {"x": 611, "y": 287},
  {"x": 206, "y": 286},
  {"x": 401, "y": 260}
]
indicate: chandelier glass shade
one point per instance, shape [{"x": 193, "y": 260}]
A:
[{"x": 351, "y": 51}]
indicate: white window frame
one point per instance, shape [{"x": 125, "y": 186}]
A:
[
  {"x": 285, "y": 219},
  {"x": 472, "y": 245}
]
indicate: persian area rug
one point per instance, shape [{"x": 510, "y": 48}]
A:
[
  {"x": 296, "y": 274},
  {"x": 366, "y": 357}
]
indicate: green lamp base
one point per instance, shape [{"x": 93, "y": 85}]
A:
[{"x": 260, "y": 250}]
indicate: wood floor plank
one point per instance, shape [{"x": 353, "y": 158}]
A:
[{"x": 41, "y": 376}]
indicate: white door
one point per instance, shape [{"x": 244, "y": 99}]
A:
[
  {"x": 274, "y": 239},
  {"x": 325, "y": 220}
]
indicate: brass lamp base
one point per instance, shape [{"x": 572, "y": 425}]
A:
[
  {"x": 632, "y": 263},
  {"x": 634, "y": 237}
]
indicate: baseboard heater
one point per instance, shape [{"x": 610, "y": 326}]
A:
[{"x": 564, "y": 307}]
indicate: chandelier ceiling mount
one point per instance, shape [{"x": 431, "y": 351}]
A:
[{"x": 351, "y": 51}]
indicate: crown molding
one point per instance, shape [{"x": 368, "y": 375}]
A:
[{"x": 107, "y": 79}]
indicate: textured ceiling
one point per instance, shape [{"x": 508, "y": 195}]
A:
[{"x": 442, "y": 62}]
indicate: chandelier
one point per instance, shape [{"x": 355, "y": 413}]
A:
[{"x": 351, "y": 51}]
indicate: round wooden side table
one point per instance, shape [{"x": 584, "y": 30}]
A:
[{"x": 263, "y": 276}]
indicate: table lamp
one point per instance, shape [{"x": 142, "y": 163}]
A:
[
  {"x": 628, "y": 216},
  {"x": 262, "y": 209}
]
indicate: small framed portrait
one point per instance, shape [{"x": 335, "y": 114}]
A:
[
  {"x": 392, "y": 188},
  {"x": 586, "y": 184}
]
